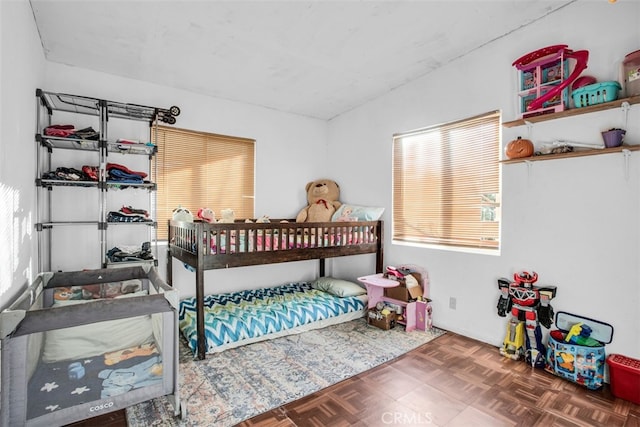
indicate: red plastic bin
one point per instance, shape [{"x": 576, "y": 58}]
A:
[{"x": 624, "y": 377}]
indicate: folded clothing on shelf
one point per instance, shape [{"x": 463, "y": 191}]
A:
[
  {"x": 128, "y": 210},
  {"x": 128, "y": 214},
  {"x": 129, "y": 254},
  {"x": 113, "y": 167},
  {"x": 67, "y": 174},
  {"x": 69, "y": 131},
  {"x": 91, "y": 172},
  {"x": 120, "y": 176},
  {"x": 120, "y": 173},
  {"x": 61, "y": 131}
]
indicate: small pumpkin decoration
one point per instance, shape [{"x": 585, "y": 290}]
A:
[{"x": 519, "y": 148}]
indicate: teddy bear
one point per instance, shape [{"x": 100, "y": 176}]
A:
[{"x": 323, "y": 199}]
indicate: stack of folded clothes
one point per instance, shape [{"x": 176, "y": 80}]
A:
[
  {"x": 91, "y": 172},
  {"x": 69, "y": 131},
  {"x": 67, "y": 174},
  {"x": 124, "y": 254},
  {"x": 128, "y": 214},
  {"x": 122, "y": 174}
]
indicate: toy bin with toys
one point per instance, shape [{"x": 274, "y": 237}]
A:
[
  {"x": 383, "y": 319},
  {"x": 575, "y": 350}
]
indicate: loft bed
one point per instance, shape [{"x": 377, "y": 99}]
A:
[{"x": 207, "y": 246}]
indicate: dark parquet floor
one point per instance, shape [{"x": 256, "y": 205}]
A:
[{"x": 451, "y": 381}]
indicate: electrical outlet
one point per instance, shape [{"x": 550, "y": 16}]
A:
[{"x": 452, "y": 303}]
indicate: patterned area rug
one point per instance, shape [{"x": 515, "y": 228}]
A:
[{"x": 240, "y": 383}]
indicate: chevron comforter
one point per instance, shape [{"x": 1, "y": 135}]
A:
[{"x": 233, "y": 319}]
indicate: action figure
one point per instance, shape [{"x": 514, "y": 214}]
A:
[{"x": 529, "y": 306}]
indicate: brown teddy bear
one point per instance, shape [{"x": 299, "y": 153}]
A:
[{"x": 322, "y": 196}]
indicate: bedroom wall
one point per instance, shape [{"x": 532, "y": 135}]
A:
[
  {"x": 285, "y": 145},
  {"x": 21, "y": 71},
  {"x": 573, "y": 221}
]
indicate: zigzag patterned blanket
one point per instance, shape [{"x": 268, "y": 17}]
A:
[{"x": 243, "y": 315}]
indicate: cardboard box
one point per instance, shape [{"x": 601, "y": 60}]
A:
[
  {"x": 379, "y": 320},
  {"x": 408, "y": 289},
  {"x": 399, "y": 293}
]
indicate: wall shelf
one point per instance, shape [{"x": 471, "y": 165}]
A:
[
  {"x": 573, "y": 112},
  {"x": 580, "y": 153}
]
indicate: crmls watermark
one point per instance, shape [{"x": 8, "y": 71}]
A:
[{"x": 400, "y": 418}]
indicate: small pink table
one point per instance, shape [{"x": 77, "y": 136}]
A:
[
  {"x": 417, "y": 314},
  {"x": 375, "y": 285}
]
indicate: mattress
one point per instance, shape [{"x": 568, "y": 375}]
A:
[
  {"x": 244, "y": 317},
  {"x": 65, "y": 384}
]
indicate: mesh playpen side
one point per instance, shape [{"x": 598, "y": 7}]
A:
[{"x": 76, "y": 345}]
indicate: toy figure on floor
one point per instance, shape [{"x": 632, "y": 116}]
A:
[{"x": 529, "y": 307}]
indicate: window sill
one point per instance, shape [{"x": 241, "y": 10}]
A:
[{"x": 475, "y": 251}]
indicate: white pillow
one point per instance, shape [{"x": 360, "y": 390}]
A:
[
  {"x": 338, "y": 287},
  {"x": 98, "y": 338},
  {"x": 348, "y": 212}
]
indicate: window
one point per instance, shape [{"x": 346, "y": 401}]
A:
[
  {"x": 197, "y": 170},
  {"x": 446, "y": 184}
]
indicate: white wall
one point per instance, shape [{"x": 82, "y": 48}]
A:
[
  {"x": 286, "y": 146},
  {"x": 573, "y": 221},
  {"x": 21, "y": 71}
]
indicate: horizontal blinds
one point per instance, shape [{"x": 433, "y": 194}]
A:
[
  {"x": 198, "y": 169},
  {"x": 446, "y": 184}
]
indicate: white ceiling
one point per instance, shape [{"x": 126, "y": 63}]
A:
[{"x": 315, "y": 58}]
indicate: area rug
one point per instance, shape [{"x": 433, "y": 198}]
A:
[{"x": 239, "y": 383}]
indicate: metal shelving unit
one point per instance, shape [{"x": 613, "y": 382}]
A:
[{"x": 99, "y": 149}]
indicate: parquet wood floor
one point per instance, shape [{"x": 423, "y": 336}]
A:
[{"x": 452, "y": 381}]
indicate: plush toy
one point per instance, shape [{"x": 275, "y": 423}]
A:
[
  {"x": 228, "y": 216},
  {"x": 322, "y": 198},
  {"x": 264, "y": 219},
  {"x": 206, "y": 215},
  {"x": 182, "y": 214}
]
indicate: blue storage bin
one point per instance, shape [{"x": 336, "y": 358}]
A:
[{"x": 596, "y": 93}]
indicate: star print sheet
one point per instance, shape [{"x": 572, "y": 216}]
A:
[{"x": 64, "y": 384}]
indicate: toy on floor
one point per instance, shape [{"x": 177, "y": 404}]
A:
[{"x": 529, "y": 307}]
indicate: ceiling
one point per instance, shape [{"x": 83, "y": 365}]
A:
[{"x": 314, "y": 58}]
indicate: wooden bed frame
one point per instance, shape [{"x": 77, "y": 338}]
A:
[{"x": 192, "y": 243}]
